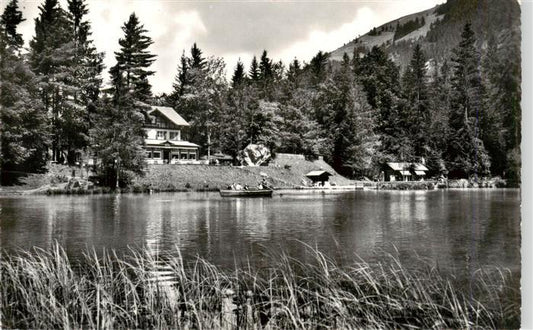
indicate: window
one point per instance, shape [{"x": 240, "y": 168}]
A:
[
  {"x": 161, "y": 135},
  {"x": 183, "y": 155},
  {"x": 192, "y": 155},
  {"x": 148, "y": 154},
  {"x": 156, "y": 154},
  {"x": 174, "y": 136}
]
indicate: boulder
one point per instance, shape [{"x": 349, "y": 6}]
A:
[{"x": 255, "y": 155}]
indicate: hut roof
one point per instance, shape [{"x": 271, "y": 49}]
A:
[
  {"x": 318, "y": 173},
  {"x": 402, "y": 166}
]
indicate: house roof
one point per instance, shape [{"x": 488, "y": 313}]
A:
[
  {"x": 401, "y": 166},
  {"x": 317, "y": 173},
  {"x": 154, "y": 142},
  {"x": 170, "y": 114},
  {"x": 221, "y": 156}
]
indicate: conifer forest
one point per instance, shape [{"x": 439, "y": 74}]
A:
[{"x": 460, "y": 112}]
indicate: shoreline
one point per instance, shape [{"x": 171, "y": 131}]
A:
[
  {"x": 278, "y": 191},
  {"x": 283, "y": 177}
]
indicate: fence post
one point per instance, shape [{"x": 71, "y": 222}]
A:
[{"x": 228, "y": 317}]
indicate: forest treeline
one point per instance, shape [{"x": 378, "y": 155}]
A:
[{"x": 462, "y": 118}]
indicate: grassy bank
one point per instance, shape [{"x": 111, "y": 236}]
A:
[
  {"x": 288, "y": 173},
  {"x": 42, "y": 289},
  {"x": 280, "y": 174}
]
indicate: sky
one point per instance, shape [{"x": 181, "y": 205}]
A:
[{"x": 232, "y": 29}]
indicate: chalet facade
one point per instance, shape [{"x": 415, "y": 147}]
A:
[
  {"x": 164, "y": 142},
  {"x": 405, "y": 171}
]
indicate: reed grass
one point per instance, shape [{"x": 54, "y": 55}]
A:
[{"x": 44, "y": 289}]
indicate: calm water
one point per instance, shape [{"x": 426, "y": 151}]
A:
[{"x": 448, "y": 227}]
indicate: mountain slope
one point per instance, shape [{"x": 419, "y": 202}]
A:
[{"x": 438, "y": 31}]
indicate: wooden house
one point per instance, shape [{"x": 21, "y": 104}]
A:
[
  {"x": 405, "y": 171},
  {"x": 164, "y": 143},
  {"x": 219, "y": 158},
  {"x": 319, "y": 178}
]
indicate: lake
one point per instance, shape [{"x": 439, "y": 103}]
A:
[{"x": 451, "y": 228}]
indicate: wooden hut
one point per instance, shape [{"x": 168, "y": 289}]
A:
[
  {"x": 405, "y": 171},
  {"x": 319, "y": 178}
]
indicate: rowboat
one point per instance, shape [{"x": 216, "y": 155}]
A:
[{"x": 246, "y": 193}]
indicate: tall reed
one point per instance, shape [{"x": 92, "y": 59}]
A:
[{"x": 44, "y": 289}]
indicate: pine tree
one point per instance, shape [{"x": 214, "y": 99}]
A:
[
  {"x": 379, "y": 77},
  {"x": 294, "y": 71},
  {"x": 198, "y": 66},
  {"x": 501, "y": 134},
  {"x": 181, "y": 81},
  {"x": 278, "y": 71},
  {"x": 438, "y": 130},
  {"x": 265, "y": 68},
  {"x": 191, "y": 71},
  {"x": 347, "y": 124},
  {"x": 81, "y": 30},
  {"x": 134, "y": 59},
  {"x": 239, "y": 76},
  {"x": 345, "y": 60},
  {"x": 493, "y": 132},
  {"x": 23, "y": 130},
  {"x": 69, "y": 68},
  {"x": 52, "y": 59},
  {"x": 200, "y": 95},
  {"x": 87, "y": 67},
  {"x": 118, "y": 137},
  {"x": 118, "y": 133},
  {"x": 11, "y": 18},
  {"x": 197, "y": 61},
  {"x": 416, "y": 113},
  {"x": 270, "y": 74},
  {"x": 88, "y": 59},
  {"x": 254, "y": 70},
  {"x": 318, "y": 67},
  {"x": 466, "y": 154},
  {"x": 48, "y": 34}
]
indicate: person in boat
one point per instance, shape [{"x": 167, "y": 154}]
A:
[
  {"x": 262, "y": 185},
  {"x": 237, "y": 186}
]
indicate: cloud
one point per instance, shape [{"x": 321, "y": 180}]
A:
[
  {"x": 232, "y": 29},
  {"x": 328, "y": 40},
  {"x": 171, "y": 32},
  {"x": 179, "y": 37}
]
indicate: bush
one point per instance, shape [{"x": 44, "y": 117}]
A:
[
  {"x": 406, "y": 185},
  {"x": 499, "y": 182}
]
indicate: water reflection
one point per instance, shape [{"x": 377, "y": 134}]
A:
[{"x": 455, "y": 229}]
